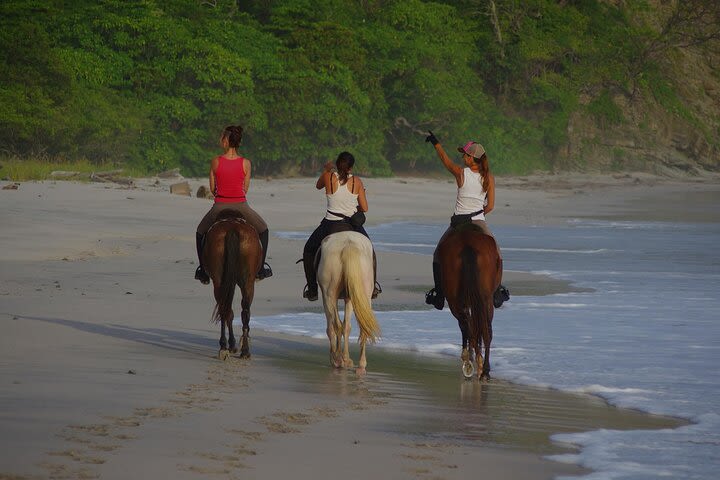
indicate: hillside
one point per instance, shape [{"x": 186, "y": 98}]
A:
[{"x": 545, "y": 85}]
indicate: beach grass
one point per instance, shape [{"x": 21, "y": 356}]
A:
[{"x": 17, "y": 169}]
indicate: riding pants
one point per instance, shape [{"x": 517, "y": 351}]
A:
[{"x": 248, "y": 214}]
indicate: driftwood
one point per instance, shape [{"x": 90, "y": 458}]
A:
[
  {"x": 182, "y": 188},
  {"x": 175, "y": 172},
  {"x": 204, "y": 192},
  {"x": 111, "y": 176},
  {"x": 66, "y": 174}
]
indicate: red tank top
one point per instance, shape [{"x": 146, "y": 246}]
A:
[{"x": 229, "y": 180}]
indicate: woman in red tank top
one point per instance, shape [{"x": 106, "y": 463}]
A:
[{"x": 229, "y": 182}]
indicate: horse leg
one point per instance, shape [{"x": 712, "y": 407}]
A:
[
  {"x": 245, "y": 340},
  {"x": 223, "y": 354},
  {"x": 468, "y": 368},
  {"x": 223, "y": 339},
  {"x": 331, "y": 315},
  {"x": 248, "y": 292},
  {"x": 479, "y": 361},
  {"x": 487, "y": 339},
  {"x": 232, "y": 343},
  {"x": 347, "y": 326},
  {"x": 362, "y": 363}
]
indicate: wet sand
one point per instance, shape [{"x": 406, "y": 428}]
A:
[{"x": 108, "y": 365}]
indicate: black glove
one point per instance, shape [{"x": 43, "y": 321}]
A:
[{"x": 431, "y": 138}]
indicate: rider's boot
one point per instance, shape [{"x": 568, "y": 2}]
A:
[
  {"x": 311, "y": 289},
  {"x": 501, "y": 295},
  {"x": 265, "y": 270},
  {"x": 200, "y": 273},
  {"x": 377, "y": 289},
  {"x": 435, "y": 296}
]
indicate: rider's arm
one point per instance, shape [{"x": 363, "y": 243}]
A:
[
  {"x": 490, "y": 194},
  {"x": 247, "y": 167},
  {"x": 213, "y": 184},
  {"x": 453, "y": 168},
  {"x": 362, "y": 198},
  {"x": 324, "y": 179}
]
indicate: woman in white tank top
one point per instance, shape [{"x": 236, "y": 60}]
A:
[
  {"x": 345, "y": 194},
  {"x": 475, "y": 199}
]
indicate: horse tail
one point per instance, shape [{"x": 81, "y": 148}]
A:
[
  {"x": 354, "y": 286},
  {"x": 470, "y": 294},
  {"x": 229, "y": 276}
]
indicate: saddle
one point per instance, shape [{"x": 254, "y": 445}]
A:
[{"x": 227, "y": 216}]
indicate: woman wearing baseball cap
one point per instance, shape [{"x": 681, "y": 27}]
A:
[{"x": 475, "y": 199}]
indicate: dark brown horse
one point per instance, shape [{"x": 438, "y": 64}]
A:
[
  {"x": 232, "y": 256},
  {"x": 471, "y": 271}
]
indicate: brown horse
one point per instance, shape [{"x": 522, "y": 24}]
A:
[
  {"x": 471, "y": 271},
  {"x": 232, "y": 255}
]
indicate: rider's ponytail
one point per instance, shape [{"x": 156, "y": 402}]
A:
[
  {"x": 233, "y": 133},
  {"x": 482, "y": 162},
  {"x": 344, "y": 163}
]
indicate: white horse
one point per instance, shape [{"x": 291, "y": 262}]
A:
[{"x": 345, "y": 271}]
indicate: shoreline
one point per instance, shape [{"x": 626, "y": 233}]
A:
[{"x": 97, "y": 283}]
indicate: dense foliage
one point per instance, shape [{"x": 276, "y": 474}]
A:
[{"x": 151, "y": 83}]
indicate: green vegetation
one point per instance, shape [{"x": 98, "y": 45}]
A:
[
  {"x": 149, "y": 85},
  {"x": 41, "y": 168}
]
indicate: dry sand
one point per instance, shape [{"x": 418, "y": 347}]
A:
[{"x": 107, "y": 355}]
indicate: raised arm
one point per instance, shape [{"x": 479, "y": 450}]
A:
[
  {"x": 324, "y": 179},
  {"x": 451, "y": 167}
]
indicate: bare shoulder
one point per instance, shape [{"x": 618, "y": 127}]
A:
[{"x": 358, "y": 184}]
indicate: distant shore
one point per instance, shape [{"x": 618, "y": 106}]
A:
[{"x": 108, "y": 357}]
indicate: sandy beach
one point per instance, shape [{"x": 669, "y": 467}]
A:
[{"x": 108, "y": 358}]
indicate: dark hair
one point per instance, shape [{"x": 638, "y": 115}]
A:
[
  {"x": 482, "y": 162},
  {"x": 344, "y": 163},
  {"x": 233, "y": 133}
]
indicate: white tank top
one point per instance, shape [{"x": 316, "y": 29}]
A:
[
  {"x": 471, "y": 197},
  {"x": 342, "y": 201}
]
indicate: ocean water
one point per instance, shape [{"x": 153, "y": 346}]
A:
[{"x": 645, "y": 336}]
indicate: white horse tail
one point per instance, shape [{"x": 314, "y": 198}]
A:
[{"x": 360, "y": 298}]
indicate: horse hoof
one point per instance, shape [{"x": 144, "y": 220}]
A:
[
  {"x": 223, "y": 354},
  {"x": 468, "y": 369},
  {"x": 360, "y": 371},
  {"x": 245, "y": 355}
]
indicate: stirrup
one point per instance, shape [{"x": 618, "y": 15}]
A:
[
  {"x": 310, "y": 295},
  {"x": 264, "y": 272},
  {"x": 377, "y": 290},
  {"x": 202, "y": 275}
]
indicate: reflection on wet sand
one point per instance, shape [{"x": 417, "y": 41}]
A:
[{"x": 430, "y": 400}]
